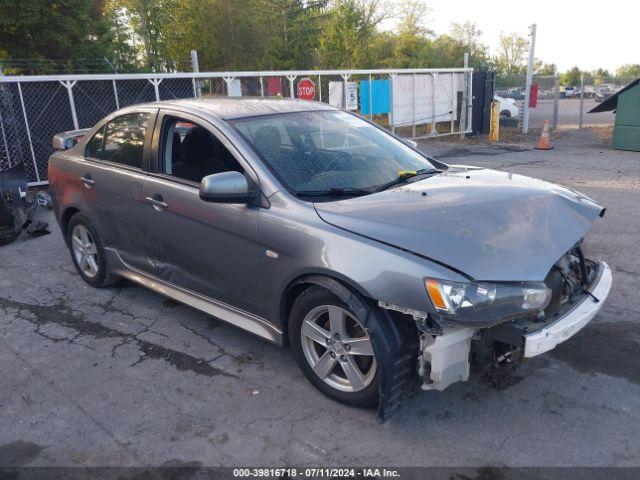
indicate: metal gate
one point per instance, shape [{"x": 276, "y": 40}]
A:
[{"x": 414, "y": 103}]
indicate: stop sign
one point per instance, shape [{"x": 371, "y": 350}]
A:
[{"x": 306, "y": 89}]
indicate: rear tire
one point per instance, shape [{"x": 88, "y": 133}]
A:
[
  {"x": 87, "y": 252},
  {"x": 333, "y": 349}
]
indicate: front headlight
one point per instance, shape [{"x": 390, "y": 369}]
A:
[{"x": 473, "y": 302}]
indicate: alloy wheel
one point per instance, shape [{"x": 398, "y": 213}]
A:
[
  {"x": 85, "y": 250},
  {"x": 338, "y": 349}
]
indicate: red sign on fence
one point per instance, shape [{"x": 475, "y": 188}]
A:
[
  {"x": 306, "y": 89},
  {"x": 533, "y": 97}
]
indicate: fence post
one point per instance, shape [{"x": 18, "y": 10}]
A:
[
  {"x": 115, "y": 94},
  {"x": 527, "y": 84},
  {"x": 465, "y": 99},
  {"x": 261, "y": 87},
  {"x": 370, "y": 98},
  {"x": 469, "y": 126},
  {"x": 434, "y": 131},
  {"x": 227, "y": 82},
  {"x": 291, "y": 79},
  {"x": 26, "y": 124},
  {"x": 581, "y": 99},
  {"x": 345, "y": 79},
  {"x": 413, "y": 104},
  {"x": 195, "y": 67},
  {"x": 556, "y": 100},
  {"x": 392, "y": 76},
  {"x": 68, "y": 84},
  {"x": 454, "y": 94},
  {"x": 155, "y": 82},
  {"x": 320, "y": 93}
]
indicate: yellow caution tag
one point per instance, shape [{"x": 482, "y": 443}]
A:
[{"x": 404, "y": 173}]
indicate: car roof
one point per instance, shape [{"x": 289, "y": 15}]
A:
[{"x": 230, "y": 108}]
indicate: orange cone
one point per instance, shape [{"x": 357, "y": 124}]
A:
[{"x": 545, "y": 138}]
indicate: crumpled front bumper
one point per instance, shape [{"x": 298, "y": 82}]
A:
[
  {"x": 566, "y": 326},
  {"x": 444, "y": 359}
]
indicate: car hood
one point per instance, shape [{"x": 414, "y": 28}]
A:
[{"x": 486, "y": 224}]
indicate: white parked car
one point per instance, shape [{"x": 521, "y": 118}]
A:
[{"x": 508, "y": 107}]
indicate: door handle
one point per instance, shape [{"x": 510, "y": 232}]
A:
[
  {"x": 88, "y": 181},
  {"x": 157, "y": 203}
]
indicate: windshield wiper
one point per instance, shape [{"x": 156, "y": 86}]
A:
[
  {"x": 405, "y": 176},
  {"x": 334, "y": 192}
]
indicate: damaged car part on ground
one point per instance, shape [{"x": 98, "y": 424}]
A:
[
  {"x": 379, "y": 266},
  {"x": 17, "y": 207}
]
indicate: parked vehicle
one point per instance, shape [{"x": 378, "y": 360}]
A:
[
  {"x": 508, "y": 107},
  {"x": 567, "y": 92},
  {"x": 313, "y": 228},
  {"x": 515, "y": 93},
  {"x": 604, "y": 91}
]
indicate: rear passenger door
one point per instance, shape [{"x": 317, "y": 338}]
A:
[
  {"x": 116, "y": 162},
  {"x": 208, "y": 248}
]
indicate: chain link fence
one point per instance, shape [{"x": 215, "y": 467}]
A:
[
  {"x": 565, "y": 105},
  {"x": 412, "y": 103}
]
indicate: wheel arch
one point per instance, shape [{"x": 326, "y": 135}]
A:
[
  {"x": 345, "y": 290},
  {"x": 395, "y": 341},
  {"x": 65, "y": 218}
]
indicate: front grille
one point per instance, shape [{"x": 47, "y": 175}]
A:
[{"x": 568, "y": 278}]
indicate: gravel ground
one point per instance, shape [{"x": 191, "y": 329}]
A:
[{"x": 122, "y": 376}]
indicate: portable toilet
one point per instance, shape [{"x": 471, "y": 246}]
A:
[{"x": 626, "y": 103}]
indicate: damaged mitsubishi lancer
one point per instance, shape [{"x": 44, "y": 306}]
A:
[{"x": 380, "y": 267}]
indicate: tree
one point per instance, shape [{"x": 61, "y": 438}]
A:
[
  {"x": 628, "y": 72},
  {"x": 126, "y": 54},
  {"x": 349, "y": 26},
  {"x": 571, "y": 77},
  {"x": 468, "y": 35},
  {"x": 511, "y": 50},
  {"x": 544, "y": 69},
  {"x": 42, "y": 36}
]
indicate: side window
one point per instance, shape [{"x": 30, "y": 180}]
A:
[
  {"x": 191, "y": 152},
  {"x": 124, "y": 139},
  {"x": 94, "y": 146}
]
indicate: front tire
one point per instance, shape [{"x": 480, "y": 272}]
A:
[
  {"x": 87, "y": 252},
  {"x": 333, "y": 349}
]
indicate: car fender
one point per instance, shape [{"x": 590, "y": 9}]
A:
[{"x": 395, "y": 342}]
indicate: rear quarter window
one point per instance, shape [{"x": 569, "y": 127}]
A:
[{"x": 95, "y": 145}]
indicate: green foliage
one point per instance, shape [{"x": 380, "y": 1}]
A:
[
  {"x": 571, "y": 77},
  {"x": 54, "y": 35},
  {"x": 43, "y": 36},
  {"x": 511, "y": 52},
  {"x": 629, "y": 72}
]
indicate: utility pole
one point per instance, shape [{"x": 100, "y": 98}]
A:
[
  {"x": 194, "y": 61},
  {"x": 527, "y": 87},
  {"x": 465, "y": 98},
  {"x": 581, "y": 98},
  {"x": 195, "y": 67},
  {"x": 556, "y": 98}
]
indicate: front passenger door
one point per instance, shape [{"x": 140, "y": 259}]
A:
[{"x": 208, "y": 248}]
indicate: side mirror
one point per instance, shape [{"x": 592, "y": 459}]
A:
[
  {"x": 226, "y": 187},
  {"x": 412, "y": 143}
]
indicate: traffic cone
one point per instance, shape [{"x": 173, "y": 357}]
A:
[{"x": 545, "y": 138}]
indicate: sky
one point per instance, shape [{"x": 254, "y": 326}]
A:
[{"x": 587, "y": 34}]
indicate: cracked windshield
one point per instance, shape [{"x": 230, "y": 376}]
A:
[{"x": 328, "y": 152}]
